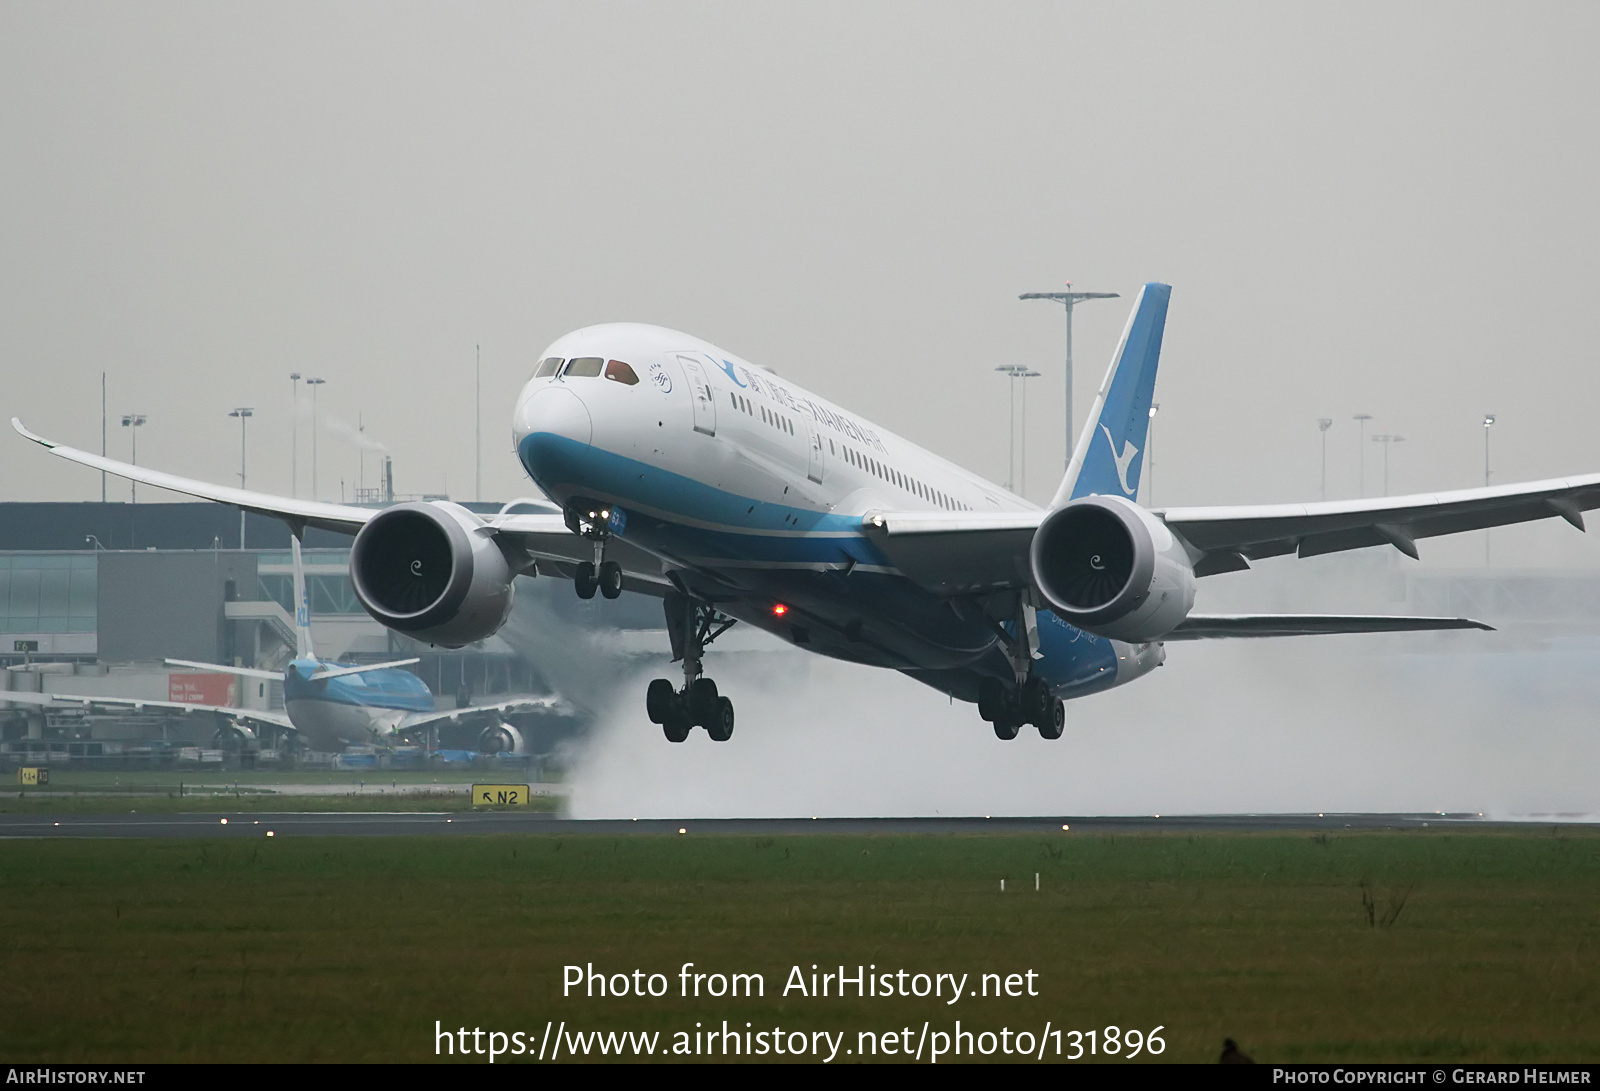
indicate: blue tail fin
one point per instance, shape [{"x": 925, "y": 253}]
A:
[{"x": 1110, "y": 453}]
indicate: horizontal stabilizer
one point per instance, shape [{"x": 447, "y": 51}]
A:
[
  {"x": 340, "y": 672},
  {"x": 248, "y": 672},
  {"x": 1223, "y": 626}
]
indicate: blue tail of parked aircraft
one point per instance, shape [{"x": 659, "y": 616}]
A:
[{"x": 1109, "y": 454}]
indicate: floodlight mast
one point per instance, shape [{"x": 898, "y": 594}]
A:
[
  {"x": 244, "y": 413},
  {"x": 1069, "y": 299},
  {"x": 1017, "y": 371}
]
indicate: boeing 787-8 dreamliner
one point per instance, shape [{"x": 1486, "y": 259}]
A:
[{"x": 684, "y": 472}]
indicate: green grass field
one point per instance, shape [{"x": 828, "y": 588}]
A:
[{"x": 1431, "y": 946}]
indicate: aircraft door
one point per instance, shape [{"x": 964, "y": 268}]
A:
[
  {"x": 705, "y": 403},
  {"x": 814, "y": 468}
]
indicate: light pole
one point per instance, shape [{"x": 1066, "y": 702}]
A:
[
  {"x": 1323, "y": 424},
  {"x": 294, "y": 448},
  {"x": 1361, "y": 449},
  {"x": 244, "y": 413},
  {"x": 477, "y": 417},
  {"x": 1069, "y": 299},
  {"x": 1150, "y": 457},
  {"x": 134, "y": 421},
  {"x": 1387, "y": 439},
  {"x": 313, "y": 384},
  {"x": 1022, "y": 450},
  {"x": 1013, "y": 372},
  {"x": 1488, "y": 423}
]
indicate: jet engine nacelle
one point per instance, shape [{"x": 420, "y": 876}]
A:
[
  {"x": 501, "y": 738},
  {"x": 429, "y": 571},
  {"x": 1109, "y": 567}
]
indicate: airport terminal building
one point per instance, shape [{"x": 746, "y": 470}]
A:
[{"x": 94, "y": 598}]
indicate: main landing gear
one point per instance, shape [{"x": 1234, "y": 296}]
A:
[
  {"x": 1030, "y": 703},
  {"x": 592, "y": 521},
  {"x": 691, "y": 626}
]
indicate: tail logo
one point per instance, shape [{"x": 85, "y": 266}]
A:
[{"x": 1124, "y": 460}]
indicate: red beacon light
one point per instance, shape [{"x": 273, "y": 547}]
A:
[{"x": 779, "y": 609}]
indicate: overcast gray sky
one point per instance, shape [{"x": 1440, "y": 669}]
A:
[{"x": 1370, "y": 208}]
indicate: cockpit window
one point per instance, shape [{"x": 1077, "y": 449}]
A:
[
  {"x": 584, "y": 367},
  {"x": 619, "y": 372},
  {"x": 548, "y": 367}
]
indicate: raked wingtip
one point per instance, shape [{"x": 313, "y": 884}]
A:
[{"x": 22, "y": 430}]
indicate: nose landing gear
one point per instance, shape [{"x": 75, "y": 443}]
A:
[
  {"x": 603, "y": 576},
  {"x": 593, "y": 521},
  {"x": 691, "y": 626}
]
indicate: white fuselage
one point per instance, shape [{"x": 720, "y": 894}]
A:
[{"x": 753, "y": 490}]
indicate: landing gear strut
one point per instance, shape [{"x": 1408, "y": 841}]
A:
[
  {"x": 592, "y": 521},
  {"x": 691, "y": 626}
]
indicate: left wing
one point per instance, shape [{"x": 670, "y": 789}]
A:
[
  {"x": 72, "y": 700},
  {"x": 1220, "y": 626},
  {"x": 1228, "y": 538},
  {"x": 964, "y": 552}
]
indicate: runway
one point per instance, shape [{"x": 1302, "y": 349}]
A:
[{"x": 368, "y": 824}]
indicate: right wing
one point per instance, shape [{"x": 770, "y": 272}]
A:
[{"x": 514, "y": 704}]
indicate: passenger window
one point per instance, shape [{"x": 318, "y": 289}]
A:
[
  {"x": 619, "y": 372},
  {"x": 584, "y": 367},
  {"x": 548, "y": 368}
]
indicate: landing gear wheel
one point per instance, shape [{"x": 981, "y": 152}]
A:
[
  {"x": 991, "y": 699},
  {"x": 610, "y": 578},
  {"x": 677, "y": 727},
  {"x": 703, "y": 702},
  {"x": 1057, "y": 722},
  {"x": 1006, "y": 728},
  {"x": 659, "y": 701},
  {"x": 585, "y": 580},
  {"x": 1037, "y": 702},
  {"x": 721, "y": 728}
]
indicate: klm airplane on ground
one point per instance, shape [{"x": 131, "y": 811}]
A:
[
  {"x": 733, "y": 495},
  {"x": 331, "y": 705}
]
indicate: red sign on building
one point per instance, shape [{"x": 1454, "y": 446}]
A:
[{"x": 200, "y": 689}]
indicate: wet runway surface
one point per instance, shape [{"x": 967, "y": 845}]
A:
[{"x": 467, "y": 824}]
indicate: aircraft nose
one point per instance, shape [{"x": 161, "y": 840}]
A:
[{"x": 555, "y": 411}]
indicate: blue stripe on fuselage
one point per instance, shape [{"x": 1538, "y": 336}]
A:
[
  {"x": 728, "y": 527},
  {"x": 720, "y": 527}
]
